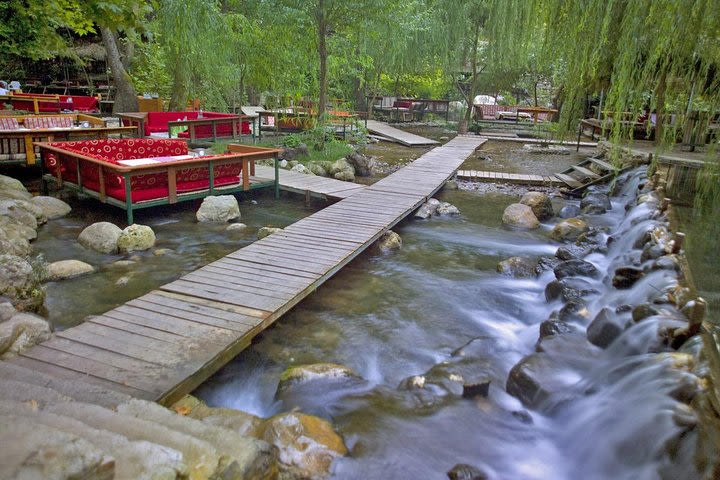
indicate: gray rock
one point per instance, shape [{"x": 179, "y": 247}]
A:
[
  {"x": 9, "y": 183},
  {"x": 345, "y": 176},
  {"x": 159, "y": 252},
  {"x": 569, "y": 229},
  {"x": 222, "y": 208},
  {"x": 17, "y": 210},
  {"x": 427, "y": 209},
  {"x": 283, "y": 163},
  {"x": 236, "y": 227},
  {"x": 462, "y": 471},
  {"x": 364, "y": 166},
  {"x": 67, "y": 269},
  {"x": 451, "y": 185},
  {"x": 389, "y": 242},
  {"x": 35, "y": 451},
  {"x": 575, "y": 267},
  {"x": 517, "y": 267},
  {"x": 536, "y": 378},
  {"x": 554, "y": 327},
  {"x": 21, "y": 332},
  {"x": 101, "y": 237},
  {"x": 595, "y": 203},
  {"x": 317, "y": 372},
  {"x": 446, "y": 208},
  {"x": 643, "y": 311},
  {"x": 574, "y": 311},
  {"x": 569, "y": 211},
  {"x": 265, "y": 231},
  {"x": 540, "y": 204},
  {"x": 136, "y": 238},
  {"x": 317, "y": 169},
  {"x": 7, "y": 310},
  {"x": 625, "y": 277},
  {"x": 521, "y": 216},
  {"x": 605, "y": 328},
  {"x": 300, "y": 168},
  {"x": 52, "y": 207},
  {"x": 569, "y": 288},
  {"x": 15, "y": 195},
  {"x": 13, "y": 244},
  {"x": 16, "y": 276},
  {"x": 14, "y": 229}
]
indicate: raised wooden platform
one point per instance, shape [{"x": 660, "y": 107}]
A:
[
  {"x": 164, "y": 344},
  {"x": 539, "y": 141},
  {"x": 514, "y": 178},
  {"x": 393, "y": 134},
  {"x": 312, "y": 185}
]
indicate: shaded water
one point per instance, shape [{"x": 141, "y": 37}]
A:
[{"x": 191, "y": 245}]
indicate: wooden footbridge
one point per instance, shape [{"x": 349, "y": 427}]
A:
[
  {"x": 392, "y": 134},
  {"x": 309, "y": 185},
  {"x": 164, "y": 344}
]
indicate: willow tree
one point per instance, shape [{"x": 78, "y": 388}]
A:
[{"x": 194, "y": 35}]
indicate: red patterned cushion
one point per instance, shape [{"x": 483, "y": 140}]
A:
[
  {"x": 48, "y": 122},
  {"x": 8, "y": 123}
]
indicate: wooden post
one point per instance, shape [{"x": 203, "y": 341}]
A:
[
  {"x": 696, "y": 315},
  {"x": 678, "y": 240},
  {"x": 245, "y": 174},
  {"x": 211, "y": 177},
  {"x": 29, "y": 150},
  {"x": 172, "y": 184},
  {"x": 128, "y": 197},
  {"x": 101, "y": 179}
]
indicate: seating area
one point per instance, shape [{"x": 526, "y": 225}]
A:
[
  {"x": 47, "y": 103},
  {"x": 18, "y": 132},
  {"x": 141, "y": 173},
  {"x": 409, "y": 109},
  {"x": 188, "y": 125}
]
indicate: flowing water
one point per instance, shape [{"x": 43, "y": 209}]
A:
[{"x": 392, "y": 316}]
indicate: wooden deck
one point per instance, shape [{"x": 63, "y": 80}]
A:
[
  {"x": 514, "y": 178},
  {"x": 539, "y": 141},
  {"x": 393, "y": 134},
  {"x": 165, "y": 343},
  {"x": 311, "y": 185}
]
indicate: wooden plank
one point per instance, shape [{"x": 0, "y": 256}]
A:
[
  {"x": 226, "y": 295},
  {"x": 241, "y": 262},
  {"x": 137, "y": 329},
  {"x": 231, "y": 278},
  {"x": 585, "y": 171},
  {"x": 602, "y": 164},
  {"x": 263, "y": 275},
  {"x": 568, "y": 180},
  {"x": 59, "y": 372},
  {"x": 135, "y": 312},
  {"x": 223, "y": 282},
  {"x": 119, "y": 345}
]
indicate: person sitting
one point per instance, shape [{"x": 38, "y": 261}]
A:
[
  {"x": 15, "y": 87},
  {"x": 4, "y": 88}
]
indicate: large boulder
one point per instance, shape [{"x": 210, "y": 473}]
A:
[
  {"x": 389, "y": 242},
  {"x": 21, "y": 332},
  {"x": 362, "y": 164},
  {"x": 595, "y": 203},
  {"x": 14, "y": 229},
  {"x": 342, "y": 170},
  {"x": 18, "y": 211},
  {"x": 518, "y": 215},
  {"x": 101, "y": 237},
  {"x": 52, "y": 207},
  {"x": 16, "y": 276},
  {"x": 67, "y": 269},
  {"x": 136, "y": 238},
  {"x": 9, "y": 183},
  {"x": 265, "y": 231},
  {"x": 317, "y": 169},
  {"x": 7, "y": 310},
  {"x": 517, "y": 267},
  {"x": 222, "y": 208},
  {"x": 307, "y": 444},
  {"x": 540, "y": 204},
  {"x": 32, "y": 451},
  {"x": 14, "y": 245},
  {"x": 569, "y": 229}
]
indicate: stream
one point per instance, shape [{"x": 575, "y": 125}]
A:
[{"x": 392, "y": 316}]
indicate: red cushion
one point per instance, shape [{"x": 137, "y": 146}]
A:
[
  {"x": 402, "y": 104},
  {"x": 81, "y": 103},
  {"x": 157, "y": 122}
]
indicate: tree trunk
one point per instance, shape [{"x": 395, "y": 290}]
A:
[
  {"x": 125, "y": 96},
  {"x": 660, "y": 109},
  {"x": 322, "y": 53},
  {"x": 474, "y": 78},
  {"x": 178, "y": 99}
]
